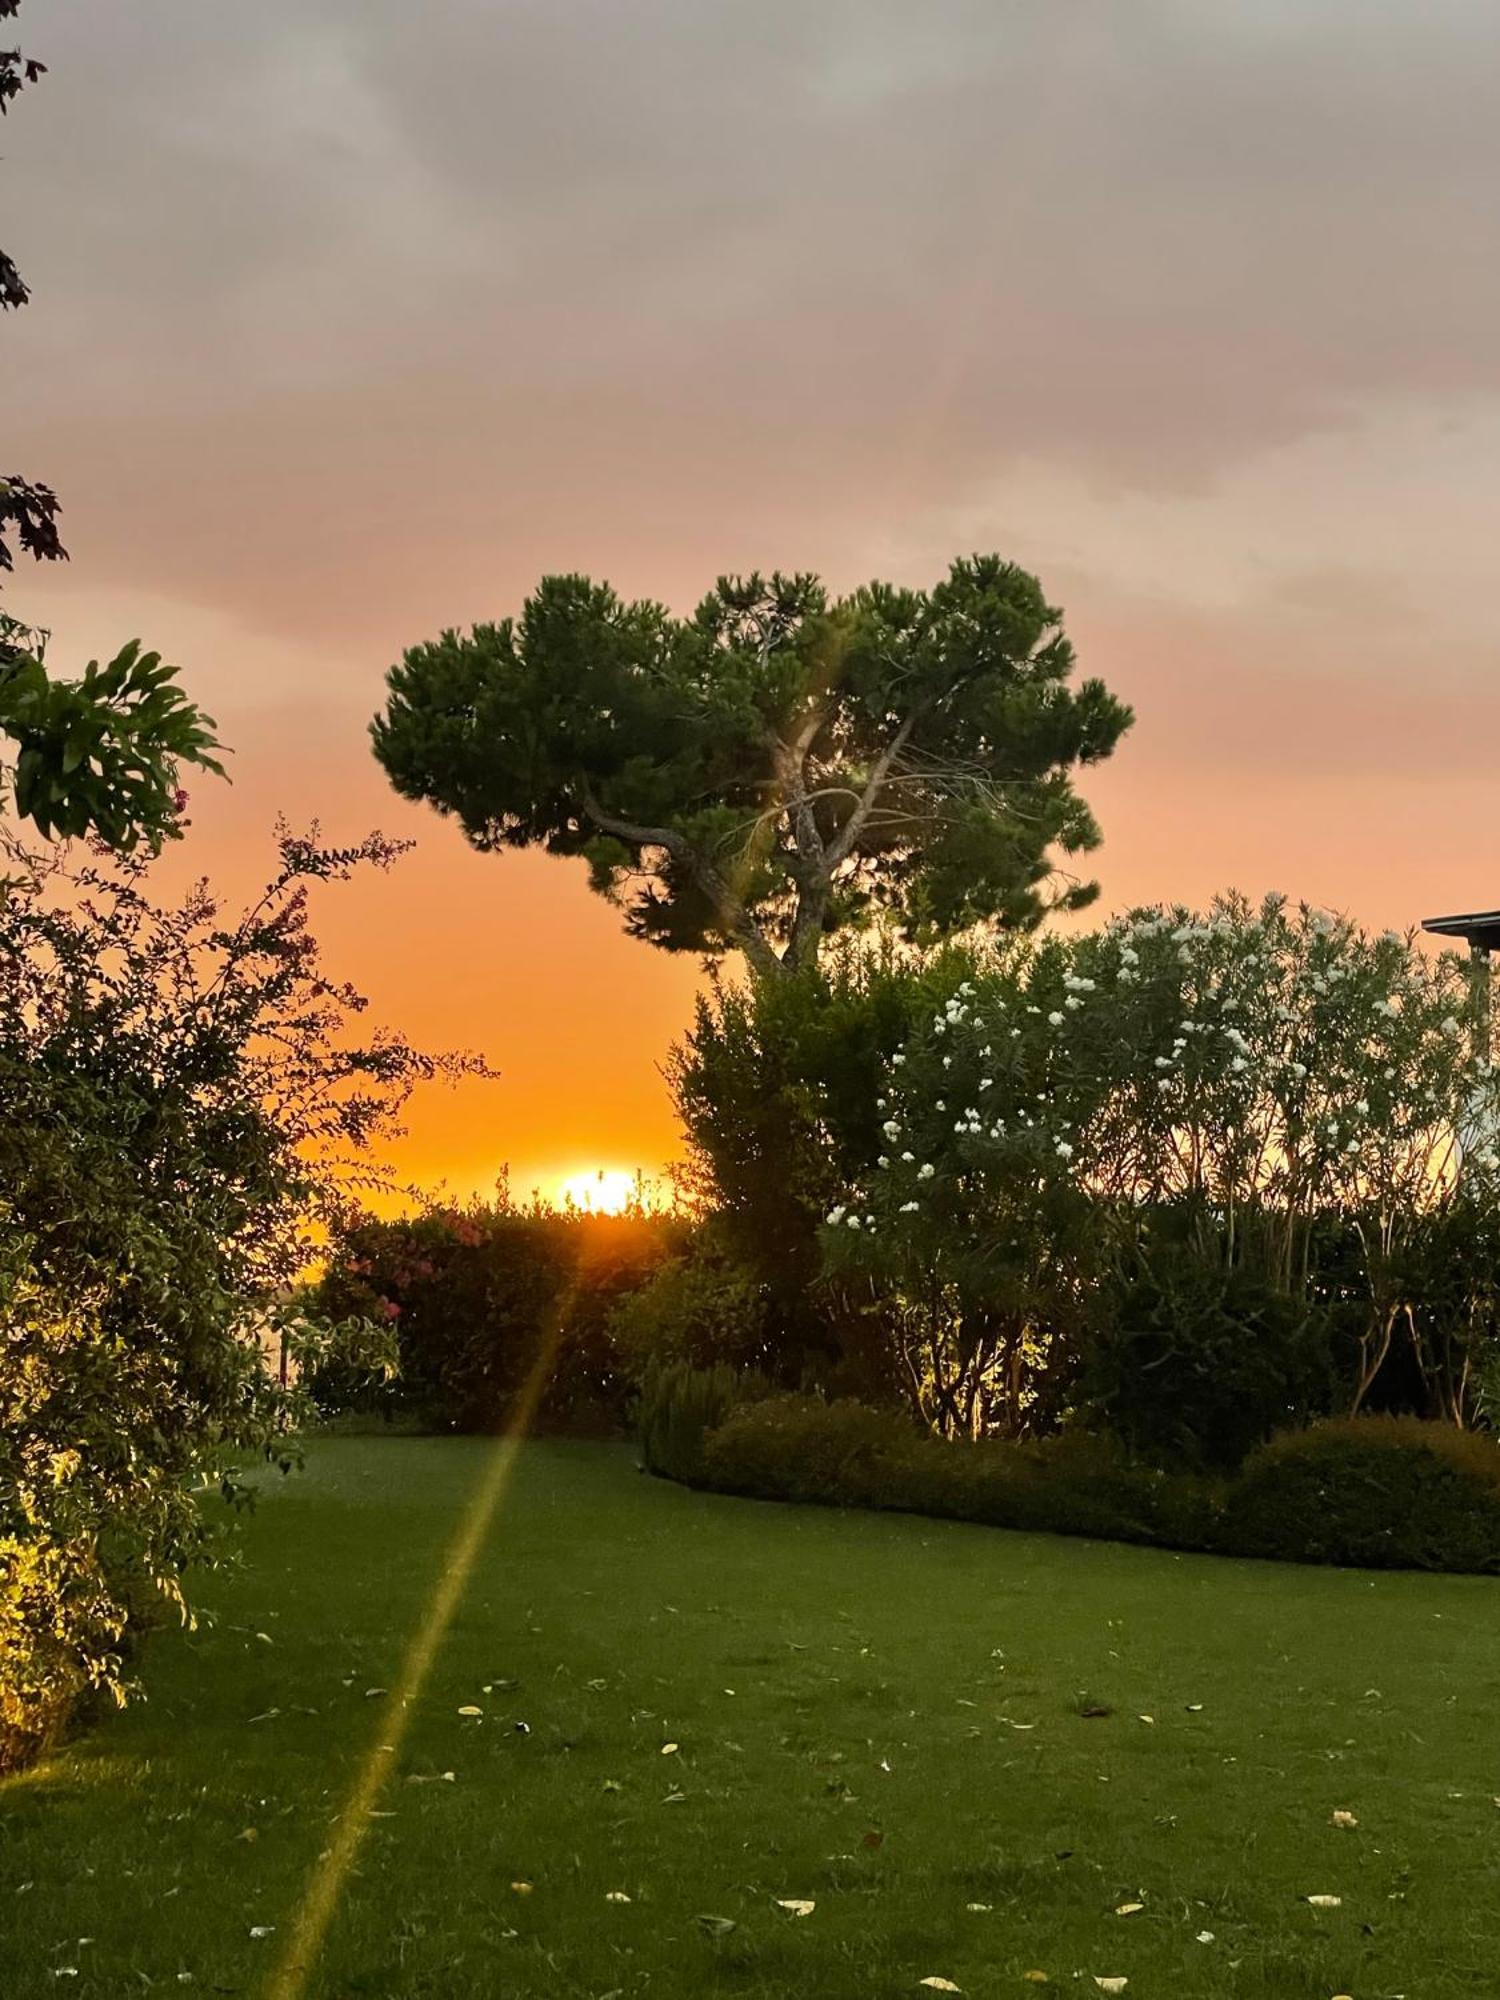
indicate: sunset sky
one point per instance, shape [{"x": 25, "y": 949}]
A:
[{"x": 352, "y": 318}]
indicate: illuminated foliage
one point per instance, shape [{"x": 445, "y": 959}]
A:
[{"x": 181, "y": 1101}]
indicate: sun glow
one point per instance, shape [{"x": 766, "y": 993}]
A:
[{"x": 605, "y": 1191}]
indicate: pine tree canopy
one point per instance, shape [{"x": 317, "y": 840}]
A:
[{"x": 778, "y": 766}]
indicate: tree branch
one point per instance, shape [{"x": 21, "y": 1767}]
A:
[
  {"x": 842, "y": 847},
  {"x": 730, "y": 910}
]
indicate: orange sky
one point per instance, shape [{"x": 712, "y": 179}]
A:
[{"x": 348, "y": 326}]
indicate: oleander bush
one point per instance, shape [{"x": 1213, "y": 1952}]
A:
[{"x": 1191, "y": 1179}]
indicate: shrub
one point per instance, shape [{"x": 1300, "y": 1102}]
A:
[
  {"x": 777, "y": 1085},
  {"x": 483, "y": 1298},
  {"x": 791, "y": 1447},
  {"x": 1193, "y": 1365},
  {"x": 846, "y": 1454},
  {"x": 678, "y": 1408},
  {"x": 175, "y": 1099},
  {"x": 1275, "y": 1092},
  {"x": 1375, "y": 1492},
  {"x": 701, "y": 1308}
]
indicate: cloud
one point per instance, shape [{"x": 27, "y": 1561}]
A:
[
  {"x": 1145, "y": 241},
  {"x": 352, "y": 320}
]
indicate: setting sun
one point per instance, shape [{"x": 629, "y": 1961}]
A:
[{"x": 605, "y": 1191}]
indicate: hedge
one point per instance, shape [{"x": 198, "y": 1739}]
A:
[{"x": 1381, "y": 1492}]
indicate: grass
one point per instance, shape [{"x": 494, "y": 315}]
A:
[{"x": 885, "y": 1716}]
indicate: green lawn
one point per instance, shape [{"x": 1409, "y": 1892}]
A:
[{"x": 882, "y": 1716}]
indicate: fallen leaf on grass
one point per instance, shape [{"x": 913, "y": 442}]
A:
[
  {"x": 1205, "y": 1937},
  {"x": 716, "y": 1926},
  {"x": 1341, "y": 1818},
  {"x": 250, "y": 1833},
  {"x": 261, "y": 1930},
  {"x": 470, "y": 1709},
  {"x": 430, "y": 1778},
  {"x": 522, "y": 1888},
  {"x": 795, "y": 1906},
  {"x": 615, "y": 1896},
  {"x": 1128, "y": 1909},
  {"x": 940, "y": 1985},
  {"x": 1148, "y": 1718},
  {"x": 670, "y": 1749},
  {"x": 1325, "y": 1902}
]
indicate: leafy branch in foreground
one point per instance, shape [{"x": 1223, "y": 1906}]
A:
[{"x": 99, "y": 754}]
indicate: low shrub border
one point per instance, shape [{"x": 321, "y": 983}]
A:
[{"x": 1368, "y": 1492}]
